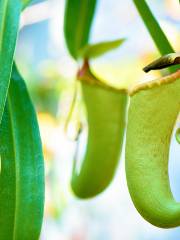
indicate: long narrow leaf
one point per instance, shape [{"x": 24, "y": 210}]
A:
[
  {"x": 9, "y": 23},
  {"x": 154, "y": 29},
  {"x": 77, "y": 23},
  {"x": 22, "y": 169}
]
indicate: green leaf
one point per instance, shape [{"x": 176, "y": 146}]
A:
[
  {"x": 152, "y": 25},
  {"x": 98, "y": 49},
  {"x": 178, "y": 135},
  {"x": 26, "y": 3},
  {"x": 22, "y": 169},
  {"x": 77, "y": 23},
  {"x": 9, "y": 23}
]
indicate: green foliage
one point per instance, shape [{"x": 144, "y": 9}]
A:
[
  {"x": 151, "y": 119},
  {"x": 25, "y": 3},
  {"x": 154, "y": 29},
  {"x": 9, "y": 23},
  {"x": 77, "y": 24},
  {"x": 104, "y": 143},
  {"x": 98, "y": 49},
  {"x": 178, "y": 135},
  {"x": 22, "y": 169}
]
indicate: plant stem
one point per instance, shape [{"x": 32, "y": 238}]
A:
[{"x": 71, "y": 110}]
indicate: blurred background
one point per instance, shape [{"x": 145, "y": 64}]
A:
[{"x": 49, "y": 72}]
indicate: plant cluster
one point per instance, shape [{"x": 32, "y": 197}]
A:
[{"x": 150, "y": 118}]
